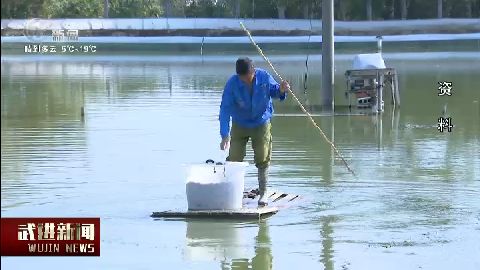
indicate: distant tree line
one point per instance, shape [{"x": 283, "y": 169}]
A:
[{"x": 345, "y": 10}]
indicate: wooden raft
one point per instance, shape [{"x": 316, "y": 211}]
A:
[
  {"x": 250, "y": 210},
  {"x": 244, "y": 213}
]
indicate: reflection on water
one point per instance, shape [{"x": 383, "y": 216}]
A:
[
  {"x": 215, "y": 240},
  {"x": 327, "y": 242},
  {"x": 263, "y": 254},
  {"x": 42, "y": 134},
  {"x": 229, "y": 243},
  {"x": 415, "y": 202}
]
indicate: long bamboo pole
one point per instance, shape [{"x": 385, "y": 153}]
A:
[{"x": 297, "y": 100}]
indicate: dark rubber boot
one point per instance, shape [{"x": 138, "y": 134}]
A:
[{"x": 262, "y": 186}]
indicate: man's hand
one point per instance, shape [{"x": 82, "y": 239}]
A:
[
  {"x": 224, "y": 144},
  {"x": 284, "y": 86}
]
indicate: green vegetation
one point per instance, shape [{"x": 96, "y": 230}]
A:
[
  {"x": 344, "y": 9},
  {"x": 71, "y": 8}
]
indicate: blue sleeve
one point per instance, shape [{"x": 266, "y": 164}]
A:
[
  {"x": 275, "y": 89},
  {"x": 226, "y": 110}
]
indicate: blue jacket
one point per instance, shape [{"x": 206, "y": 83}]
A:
[{"x": 245, "y": 109}]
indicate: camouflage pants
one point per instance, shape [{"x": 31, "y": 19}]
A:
[{"x": 261, "y": 143}]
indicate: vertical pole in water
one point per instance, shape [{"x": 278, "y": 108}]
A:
[
  {"x": 380, "y": 79},
  {"x": 379, "y": 90},
  {"x": 380, "y": 131},
  {"x": 380, "y": 95},
  {"x": 329, "y": 161},
  {"x": 397, "y": 90},
  {"x": 327, "y": 54},
  {"x": 379, "y": 44}
]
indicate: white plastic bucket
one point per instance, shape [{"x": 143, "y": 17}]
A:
[{"x": 215, "y": 187}]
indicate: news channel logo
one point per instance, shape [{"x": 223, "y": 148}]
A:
[
  {"x": 35, "y": 30},
  {"x": 40, "y": 30}
]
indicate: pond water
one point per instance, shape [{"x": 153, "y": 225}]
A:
[{"x": 414, "y": 205}]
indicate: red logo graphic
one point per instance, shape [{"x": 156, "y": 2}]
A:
[{"x": 50, "y": 237}]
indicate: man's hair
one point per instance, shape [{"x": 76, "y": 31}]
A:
[{"x": 244, "y": 65}]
